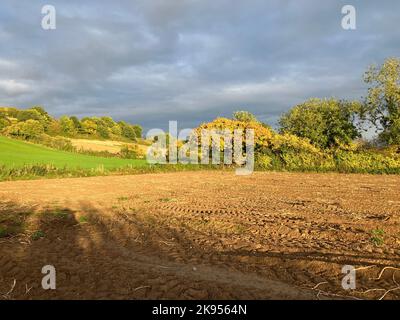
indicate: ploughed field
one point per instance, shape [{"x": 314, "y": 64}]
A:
[{"x": 201, "y": 235}]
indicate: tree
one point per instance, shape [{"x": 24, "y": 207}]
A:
[
  {"x": 127, "y": 130},
  {"x": 326, "y": 123},
  {"x": 11, "y": 111},
  {"x": 54, "y": 128},
  {"x": 89, "y": 126},
  {"x": 138, "y": 130},
  {"x": 77, "y": 123},
  {"x": 44, "y": 114},
  {"x": 382, "y": 105},
  {"x": 262, "y": 135},
  {"x": 103, "y": 132},
  {"x": 27, "y": 129},
  {"x": 108, "y": 122},
  {"x": 44, "y": 118},
  {"x": 116, "y": 130},
  {"x": 67, "y": 126},
  {"x": 244, "y": 116},
  {"x": 4, "y": 122},
  {"x": 29, "y": 114}
]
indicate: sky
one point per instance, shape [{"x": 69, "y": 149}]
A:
[{"x": 150, "y": 62}]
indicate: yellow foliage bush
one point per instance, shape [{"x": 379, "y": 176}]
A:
[
  {"x": 286, "y": 141},
  {"x": 289, "y": 152},
  {"x": 262, "y": 135},
  {"x": 369, "y": 162}
]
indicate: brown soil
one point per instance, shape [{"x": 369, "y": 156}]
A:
[{"x": 202, "y": 235}]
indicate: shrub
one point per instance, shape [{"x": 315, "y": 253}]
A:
[
  {"x": 288, "y": 142},
  {"x": 67, "y": 126},
  {"x": 4, "y": 122},
  {"x": 59, "y": 143},
  {"x": 130, "y": 152},
  {"x": 244, "y": 116},
  {"x": 366, "y": 162},
  {"x": 262, "y": 135},
  {"x": 377, "y": 237},
  {"x": 103, "y": 132},
  {"x": 28, "y": 129},
  {"x": 295, "y": 153},
  {"x": 265, "y": 162},
  {"x": 37, "y": 235}
]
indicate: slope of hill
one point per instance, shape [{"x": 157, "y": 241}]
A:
[{"x": 14, "y": 153}]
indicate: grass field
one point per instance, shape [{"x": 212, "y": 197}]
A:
[{"x": 14, "y": 153}]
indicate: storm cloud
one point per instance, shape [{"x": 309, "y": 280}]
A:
[{"x": 149, "y": 62}]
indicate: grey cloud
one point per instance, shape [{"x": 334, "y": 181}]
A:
[{"x": 153, "y": 61}]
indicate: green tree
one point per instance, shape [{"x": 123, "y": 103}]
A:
[
  {"x": 89, "y": 126},
  {"x": 116, "y": 130},
  {"x": 325, "y": 122},
  {"x": 27, "y": 129},
  {"x": 44, "y": 118},
  {"x": 108, "y": 122},
  {"x": 4, "y": 122},
  {"x": 138, "y": 130},
  {"x": 67, "y": 126},
  {"x": 54, "y": 128},
  {"x": 103, "y": 131},
  {"x": 12, "y": 112},
  {"x": 29, "y": 114},
  {"x": 127, "y": 130},
  {"x": 44, "y": 114},
  {"x": 382, "y": 105},
  {"x": 77, "y": 123},
  {"x": 244, "y": 116}
]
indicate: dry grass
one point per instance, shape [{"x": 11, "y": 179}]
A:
[{"x": 108, "y": 145}]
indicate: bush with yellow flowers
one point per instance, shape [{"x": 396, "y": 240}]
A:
[
  {"x": 286, "y": 151},
  {"x": 366, "y": 162},
  {"x": 295, "y": 153},
  {"x": 262, "y": 134}
]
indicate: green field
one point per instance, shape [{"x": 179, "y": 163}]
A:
[{"x": 14, "y": 154}]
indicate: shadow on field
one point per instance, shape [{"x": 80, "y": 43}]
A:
[{"x": 108, "y": 255}]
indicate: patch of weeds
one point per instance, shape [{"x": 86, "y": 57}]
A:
[
  {"x": 3, "y": 232},
  {"x": 37, "y": 235},
  {"x": 377, "y": 237},
  {"x": 58, "y": 213},
  {"x": 167, "y": 200},
  {"x": 239, "y": 229},
  {"x": 12, "y": 222},
  {"x": 83, "y": 219},
  {"x": 123, "y": 198},
  {"x": 8, "y": 231}
]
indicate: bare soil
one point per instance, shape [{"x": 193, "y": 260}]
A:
[{"x": 203, "y": 235}]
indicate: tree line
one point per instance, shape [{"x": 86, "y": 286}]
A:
[
  {"x": 325, "y": 123},
  {"x": 326, "y": 134},
  {"x": 33, "y": 122},
  {"x": 331, "y": 123}
]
